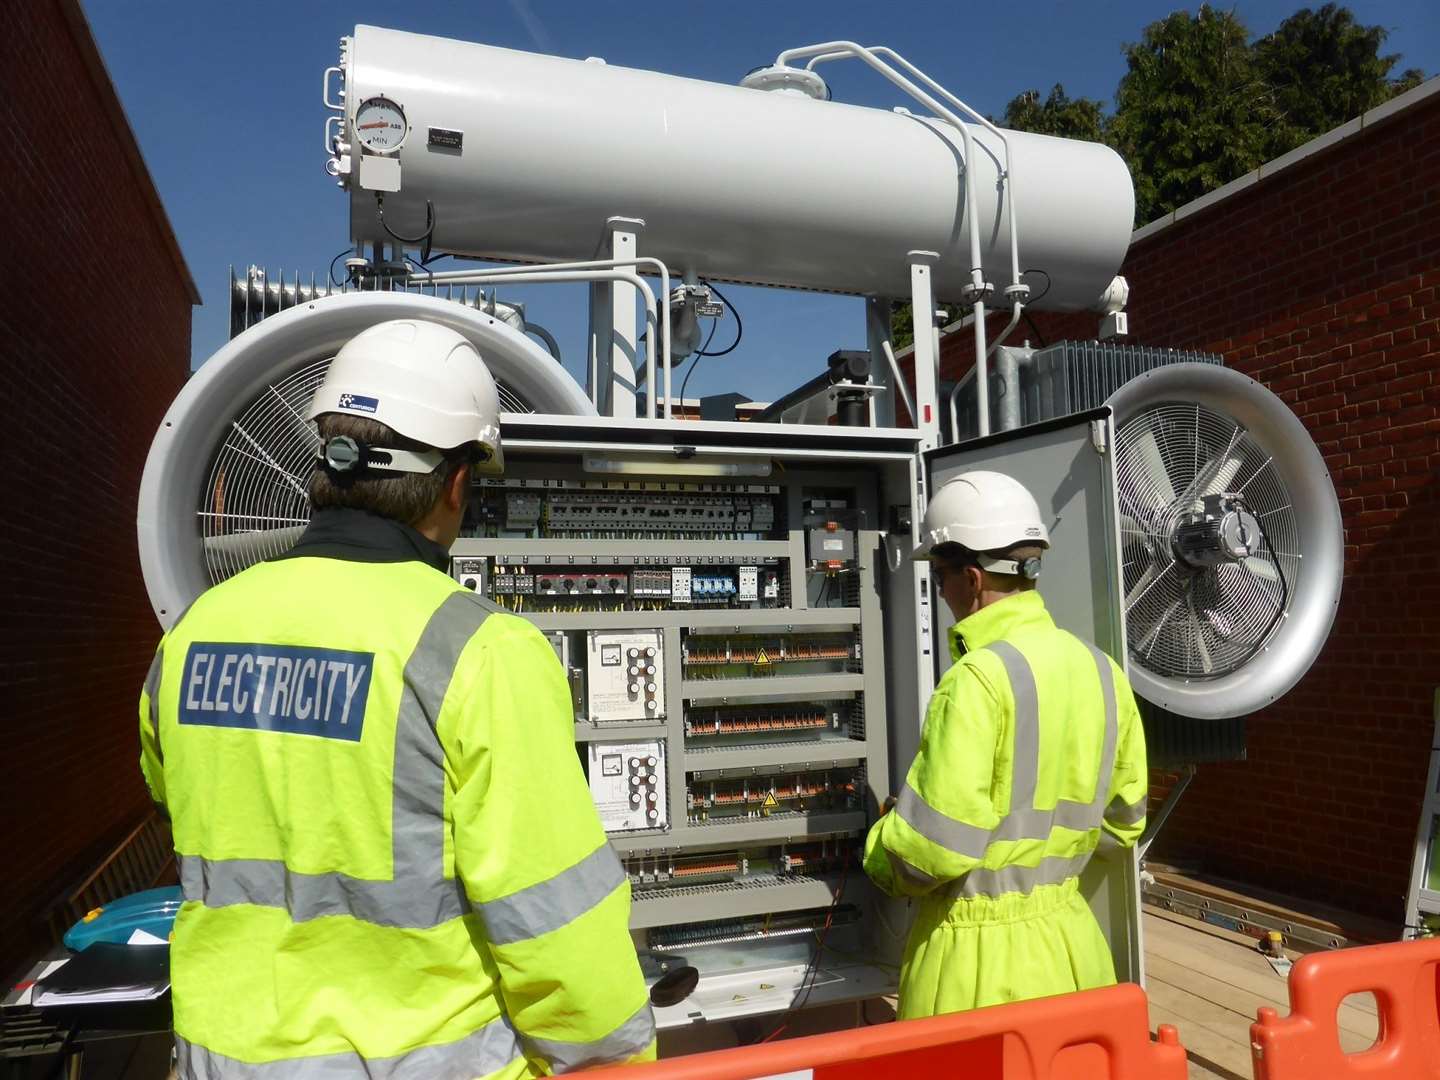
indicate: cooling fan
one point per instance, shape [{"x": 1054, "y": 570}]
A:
[
  {"x": 254, "y": 506},
  {"x": 224, "y": 483},
  {"x": 1231, "y": 541}
]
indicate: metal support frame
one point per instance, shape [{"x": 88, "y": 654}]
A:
[
  {"x": 1423, "y": 900},
  {"x": 1158, "y": 819},
  {"x": 617, "y": 366},
  {"x": 926, "y": 353}
]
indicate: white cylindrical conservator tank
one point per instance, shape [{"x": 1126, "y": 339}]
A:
[{"x": 734, "y": 183}]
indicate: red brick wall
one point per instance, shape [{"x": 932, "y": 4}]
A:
[
  {"x": 1321, "y": 282},
  {"x": 95, "y": 320}
]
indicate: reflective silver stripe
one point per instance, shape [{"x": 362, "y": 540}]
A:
[
  {"x": 911, "y": 875},
  {"x": 406, "y": 904},
  {"x": 418, "y": 894},
  {"x": 1123, "y": 813},
  {"x": 983, "y": 881},
  {"x": 1024, "y": 821},
  {"x": 1112, "y": 732},
  {"x": 417, "y": 823},
  {"x": 555, "y": 902},
  {"x": 1025, "y": 757},
  {"x": 941, "y": 829},
  {"x": 485, "y": 1051},
  {"x": 152, "y": 694},
  {"x": 627, "y": 1040}
]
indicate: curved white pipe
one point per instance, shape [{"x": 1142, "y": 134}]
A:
[
  {"x": 835, "y": 50},
  {"x": 506, "y": 275},
  {"x": 886, "y": 51},
  {"x": 983, "y": 407},
  {"x": 545, "y": 336}
]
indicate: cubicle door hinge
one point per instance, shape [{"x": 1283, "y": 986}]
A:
[{"x": 1097, "y": 436}]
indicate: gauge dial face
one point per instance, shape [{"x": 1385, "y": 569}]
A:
[{"x": 380, "y": 125}]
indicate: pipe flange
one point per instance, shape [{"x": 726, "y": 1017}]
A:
[{"x": 785, "y": 79}]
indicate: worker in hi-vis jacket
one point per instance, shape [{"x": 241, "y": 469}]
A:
[
  {"x": 390, "y": 860},
  {"x": 1032, "y": 755}
]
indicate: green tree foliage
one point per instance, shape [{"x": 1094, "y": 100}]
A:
[
  {"x": 1193, "y": 111},
  {"x": 1059, "y": 115},
  {"x": 1201, "y": 105},
  {"x": 902, "y": 326},
  {"x": 1322, "y": 69},
  {"x": 1406, "y": 80}
]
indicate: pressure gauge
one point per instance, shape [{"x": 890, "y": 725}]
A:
[{"x": 380, "y": 125}]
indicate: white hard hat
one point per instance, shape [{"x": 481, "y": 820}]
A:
[
  {"x": 424, "y": 381},
  {"x": 982, "y": 511}
]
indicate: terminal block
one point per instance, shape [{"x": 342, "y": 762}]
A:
[
  {"x": 801, "y": 792},
  {"x": 715, "y": 655},
  {"x": 760, "y": 723},
  {"x": 659, "y": 873}
]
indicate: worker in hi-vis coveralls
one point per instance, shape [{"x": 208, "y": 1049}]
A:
[
  {"x": 390, "y": 860},
  {"x": 1032, "y": 755}
]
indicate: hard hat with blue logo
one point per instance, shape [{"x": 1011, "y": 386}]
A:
[{"x": 424, "y": 381}]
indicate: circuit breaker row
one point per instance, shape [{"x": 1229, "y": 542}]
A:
[
  {"x": 617, "y": 509},
  {"x": 627, "y": 585}
]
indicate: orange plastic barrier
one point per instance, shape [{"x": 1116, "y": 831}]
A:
[
  {"x": 1093, "y": 1035},
  {"x": 1405, "y": 979}
]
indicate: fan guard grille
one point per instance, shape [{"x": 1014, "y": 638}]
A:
[
  {"x": 1199, "y": 623},
  {"x": 254, "y": 506}
]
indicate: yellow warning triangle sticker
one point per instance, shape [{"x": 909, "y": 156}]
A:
[
  {"x": 770, "y": 803},
  {"x": 762, "y": 659}
]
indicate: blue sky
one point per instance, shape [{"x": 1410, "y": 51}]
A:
[{"x": 224, "y": 99}]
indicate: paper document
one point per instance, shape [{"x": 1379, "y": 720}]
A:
[
  {"x": 105, "y": 973},
  {"x": 144, "y": 937}
]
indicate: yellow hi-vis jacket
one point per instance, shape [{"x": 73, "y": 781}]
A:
[
  {"x": 391, "y": 863},
  {"x": 1032, "y": 752}
]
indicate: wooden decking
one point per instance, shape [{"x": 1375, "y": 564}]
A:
[{"x": 1209, "y": 983}]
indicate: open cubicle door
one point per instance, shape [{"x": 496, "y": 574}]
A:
[{"x": 1068, "y": 465}]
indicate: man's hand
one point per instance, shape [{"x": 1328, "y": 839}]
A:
[{"x": 889, "y": 805}]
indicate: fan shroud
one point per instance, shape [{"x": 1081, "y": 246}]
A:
[{"x": 1221, "y": 638}]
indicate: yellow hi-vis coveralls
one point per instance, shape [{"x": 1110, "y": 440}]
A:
[
  {"x": 391, "y": 863},
  {"x": 1032, "y": 752}
]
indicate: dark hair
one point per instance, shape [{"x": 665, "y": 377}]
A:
[
  {"x": 953, "y": 558},
  {"x": 402, "y": 497}
]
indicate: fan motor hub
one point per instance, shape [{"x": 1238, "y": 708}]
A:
[{"x": 1220, "y": 530}]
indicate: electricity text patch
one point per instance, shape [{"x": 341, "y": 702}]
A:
[{"x": 290, "y": 688}]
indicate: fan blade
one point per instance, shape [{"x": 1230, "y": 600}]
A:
[
  {"x": 1221, "y": 473},
  {"x": 1261, "y": 568},
  {"x": 1148, "y": 451},
  {"x": 252, "y": 547},
  {"x": 1147, "y": 640},
  {"x": 1198, "y": 627},
  {"x": 1151, "y": 573}
]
